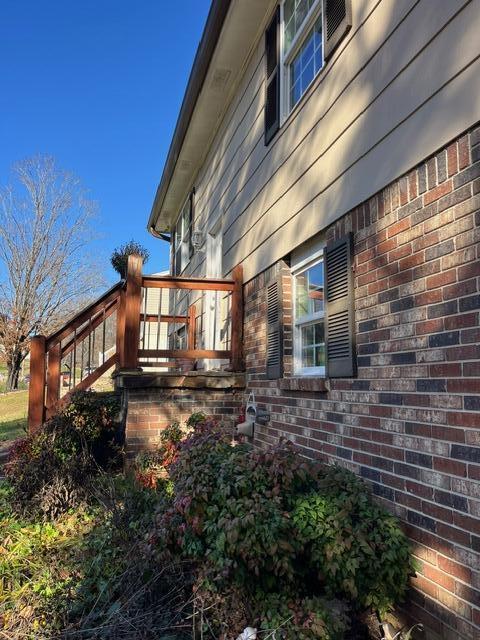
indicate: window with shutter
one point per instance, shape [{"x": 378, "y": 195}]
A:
[
  {"x": 274, "y": 330},
  {"x": 339, "y": 309},
  {"x": 272, "y": 92},
  {"x": 308, "y": 296},
  {"x": 338, "y": 21}
]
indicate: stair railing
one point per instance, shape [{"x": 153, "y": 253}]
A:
[{"x": 116, "y": 331}]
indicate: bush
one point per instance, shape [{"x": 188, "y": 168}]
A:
[
  {"x": 72, "y": 577},
  {"x": 151, "y": 467},
  {"x": 302, "y": 618},
  {"x": 119, "y": 258},
  {"x": 51, "y": 470},
  {"x": 272, "y": 523},
  {"x": 355, "y": 546}
]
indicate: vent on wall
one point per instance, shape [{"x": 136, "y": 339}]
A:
[{"x": 220, "y": 79}]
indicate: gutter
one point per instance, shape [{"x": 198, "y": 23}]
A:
[{"x": 211, "y": 33}]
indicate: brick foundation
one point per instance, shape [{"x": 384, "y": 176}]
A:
[
  {"x": 409, "y": 423},
  {"x": 154, "y": 401}
]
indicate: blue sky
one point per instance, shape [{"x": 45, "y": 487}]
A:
[{"x": 98, "y": 84}]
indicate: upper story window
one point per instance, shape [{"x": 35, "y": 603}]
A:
[
  {"x": 309, "y": 311},
  {"x": 302, "y": 47},
  {"x": 182, "y": 238},
  {"x": 301, "y": 36}
]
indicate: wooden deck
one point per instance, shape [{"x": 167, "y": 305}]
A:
[{"x": 121, "y": 331}]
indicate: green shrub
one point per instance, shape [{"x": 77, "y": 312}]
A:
[
  {"x": 70, "y": 578},
  {"x": 51, "y": 470},
  {"x": 302, "y": 618},
  {"x": 270, "y": 521},
  {"x": 151, "y": 467},
  {"x": 355, "y": 546}
]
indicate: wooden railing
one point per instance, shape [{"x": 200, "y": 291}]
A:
[{"x": 138, "y": 323}]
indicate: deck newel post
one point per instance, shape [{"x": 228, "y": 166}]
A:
[
  {"x": 53, "y": 378},
  {"x": 36, "y": 391},
  {"x": 191, "y": 327},
  {"x": 120, "y": 342},
  {"x": 237, "y": 319},
  {"x": 133, "y": 301}
]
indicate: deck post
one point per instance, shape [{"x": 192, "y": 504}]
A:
[
  {"x": 36, "y": 391},
  {"x": 192, "y": 314},
  {"x": 120, "y": 340},
  {"x": 133, "y": 301},
  {"x": 237, "y": 319},
  {"x": 53, "y": 378}
]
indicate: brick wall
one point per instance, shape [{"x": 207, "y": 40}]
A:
[
  {"x": 409, "y": 423},
  {"x": 154, "y": 402}
]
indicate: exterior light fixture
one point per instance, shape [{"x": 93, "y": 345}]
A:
[{"x": 197, "y": 240}]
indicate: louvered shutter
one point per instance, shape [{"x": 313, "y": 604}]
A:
[
  {"x": 339, "y": 309},
  {"x": 274, "y": 330},
  {"x": 338, "y": 21},
  {"x": 272, "y": 92}
]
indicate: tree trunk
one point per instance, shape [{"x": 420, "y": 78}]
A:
[{"x": 14, "y": 366}]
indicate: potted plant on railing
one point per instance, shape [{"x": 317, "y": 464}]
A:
[{"x": 119, "y": 258}]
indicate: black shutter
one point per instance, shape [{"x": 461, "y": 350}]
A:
[
  {"x": 272, "y": 91},
  {"x": 341, "y": 361},
  {"x": 274, "y": 330},
  {"x": 191, "y": 217},
  {"x": 338, "y": 21}
]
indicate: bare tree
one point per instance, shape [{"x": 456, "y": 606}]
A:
[{"x": 47, "y": 271}]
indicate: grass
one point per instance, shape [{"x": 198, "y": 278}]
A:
[{"x": 13, "y": 414}]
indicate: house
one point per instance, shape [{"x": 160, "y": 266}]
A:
[
  {"x": 322, "y": 200},
  {"x": 332, "y": 149}
]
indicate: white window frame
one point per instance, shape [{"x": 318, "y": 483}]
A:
[
  {"x": 182, "y": 238},
  {"x": 287, "y": 57},
  {"x": 306, "y": 320}
]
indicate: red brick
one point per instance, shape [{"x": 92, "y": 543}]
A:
[
  {"x": 398, "y": 227},
  {"x": 429, "y": 326},
  {"x": 439, "y": 577},
  {"x": 386, "y": 246},
  {"x": 454, "y": 568},
  {"x": 452, "y": 159},
  {"x": 462, "y": 385},
  {"x": 459, "y": 289},
  {"x": 461, "y": 321},
  {"x": 442, "y": 279},
  {"x": 400, "y": 252},
  {"x": 464, "y": 419},
  {"x": 453, "y": 467},
  {"x": 446, "y": 369},
  {"x": 438, "y": 192},
  {"x": 412, "y": 261},
  {"x": 429, "y": 297}
]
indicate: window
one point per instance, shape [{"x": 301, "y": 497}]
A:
[
  {"x": 309, "y": 310},
  {"x": 301, "y": 36},
  {"x": 182, "y": 246},
  {"x": 302, "y": 47}
]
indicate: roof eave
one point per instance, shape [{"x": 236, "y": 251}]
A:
[{"x": 213, "y": 27}]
